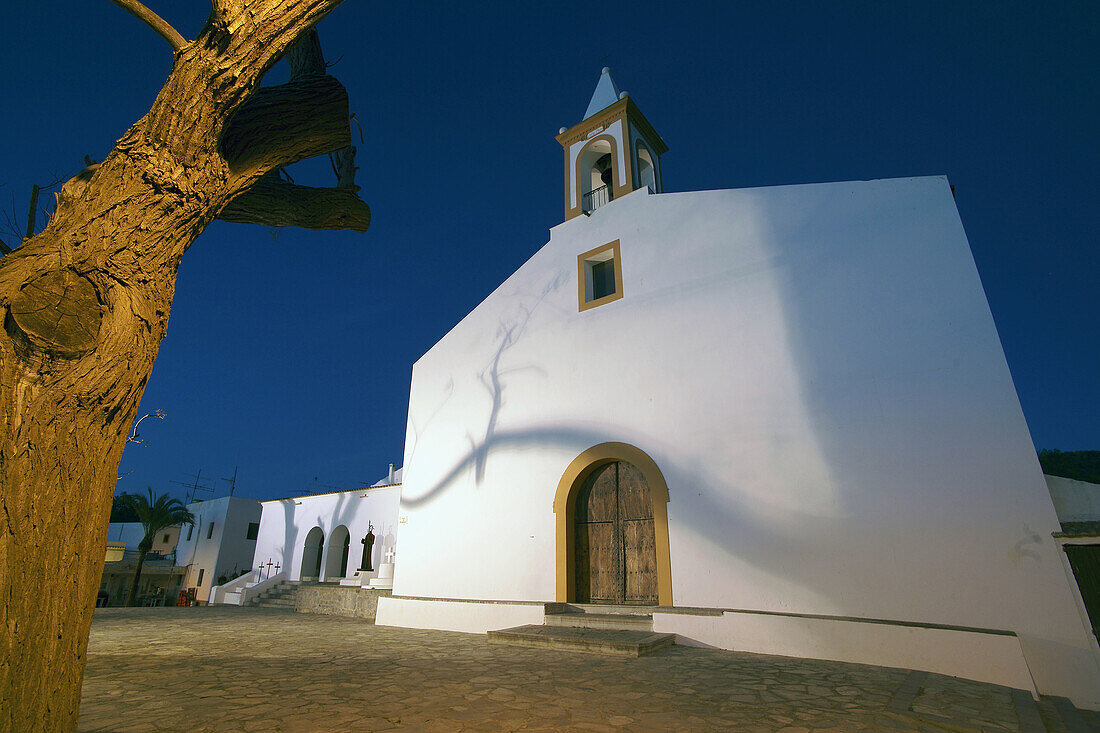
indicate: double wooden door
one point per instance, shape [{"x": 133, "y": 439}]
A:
[{"x": 614, "y": 544}]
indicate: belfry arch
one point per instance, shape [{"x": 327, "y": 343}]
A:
[
  {"x": 574, "y": 482},
  {"x": 597, "y": 175},
  {"x": 645, "y": 167}
]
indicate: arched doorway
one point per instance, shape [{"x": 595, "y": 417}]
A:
[
  {"x": 311, "y": 554},
  {"x": 339, "y": 542},
  {"x": 612, "y": 529},
  {"x": 614, "y": 554}
]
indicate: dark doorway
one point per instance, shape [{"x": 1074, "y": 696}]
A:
[
  {"x": 311, "y": 554},
  {"x": 1085, "y": 561},
  {"x": 615, "y": 549}
]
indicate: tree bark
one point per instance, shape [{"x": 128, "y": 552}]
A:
[
  {"x": 278, "y": 203},
  {"x": 84, "y": 306},
  {"x": 284, "y": 124}
]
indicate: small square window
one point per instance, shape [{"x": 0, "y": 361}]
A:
[
  {"x": 603, "y": 279},
  {"x": 165, "y": 540},
  {"x": 253, "y": 530},
  {"x": 599, "y": 276}
]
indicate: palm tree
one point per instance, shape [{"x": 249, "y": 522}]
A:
[{"x": 155, "y": 514}]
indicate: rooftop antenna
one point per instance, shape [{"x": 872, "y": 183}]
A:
[
  {"x": 232, "y": 481},
  {"x": 195, "y": 486},
  {"x": 316, "y": 484}
]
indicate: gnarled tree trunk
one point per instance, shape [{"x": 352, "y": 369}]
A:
[{"x": 85, "y": 305}]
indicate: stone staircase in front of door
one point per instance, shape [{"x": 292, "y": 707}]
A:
[
  {"x": 284, "y": 596},
  {"x": 622, "y": 631}
]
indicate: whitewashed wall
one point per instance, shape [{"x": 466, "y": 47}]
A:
[
  {"x": 816, "y": 372},
  {"x": 195, "y": 552},
  {"x": 286, "y": 522},
  {"x": 227, "y": 547}
]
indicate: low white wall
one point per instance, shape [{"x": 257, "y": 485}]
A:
[
  {"x": 987, "y": 657},
  {"x": 248, "y": 592},
  {"x": 219, "y": 593},
  {"x": 1075, "y": 501},
  {"x": 470, "y": 617}
]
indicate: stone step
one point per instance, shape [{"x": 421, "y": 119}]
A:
[
  {"x": 613, "y": 642},
  {"x": 632, "y": 622},
  {"x": 285, "y": 592},
  {"x": 599, "y": 609}
]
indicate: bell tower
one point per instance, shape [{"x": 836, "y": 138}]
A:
[{"x": 611, "y": 152}]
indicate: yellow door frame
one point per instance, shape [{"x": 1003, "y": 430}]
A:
[{"x": 564, "y": 500}]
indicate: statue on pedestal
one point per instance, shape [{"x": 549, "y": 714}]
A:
[{"x": 368, "y": 545}]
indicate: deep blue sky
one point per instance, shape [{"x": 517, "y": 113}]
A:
[{"x": 289, "y": 353}]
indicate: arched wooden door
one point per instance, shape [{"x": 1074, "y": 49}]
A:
[{"x": 614, "y": 547}]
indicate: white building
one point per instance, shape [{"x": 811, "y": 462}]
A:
[
  {"x": 221, "y": 542},
  {"x": 125, "y": 536},
  {"x": 780, "y": 416},
  {"x": 1076, "y": 502},
  {"x": 160, "y": 576},
  {"x": 320, "y": 536}
]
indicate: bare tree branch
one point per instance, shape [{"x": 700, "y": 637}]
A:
[
  {"x": 358, "y": 125},
  {"x": 344, "y": 165},
  {"x": 135, "y": 437},
  {"x": 154, "y": 21},
  {"x": 11, "y": 226},
  {"x": 32, "y": 210},
  {"x": 274, "y": 202}
]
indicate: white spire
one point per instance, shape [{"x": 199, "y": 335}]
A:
[{"x": 606, "y": 94}]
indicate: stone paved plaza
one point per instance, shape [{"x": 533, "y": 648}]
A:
[{"x": 231, "y": 669}]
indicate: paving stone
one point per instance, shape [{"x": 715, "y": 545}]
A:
[{"x": 257, "y": 669}]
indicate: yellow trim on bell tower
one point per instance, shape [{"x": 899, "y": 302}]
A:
[{"x": 617, "y": 128}]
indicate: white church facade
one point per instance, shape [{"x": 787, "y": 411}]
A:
[{"x": 781, "y": 417}]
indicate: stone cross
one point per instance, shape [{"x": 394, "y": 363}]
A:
[{"x": 388, "y": 554}]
